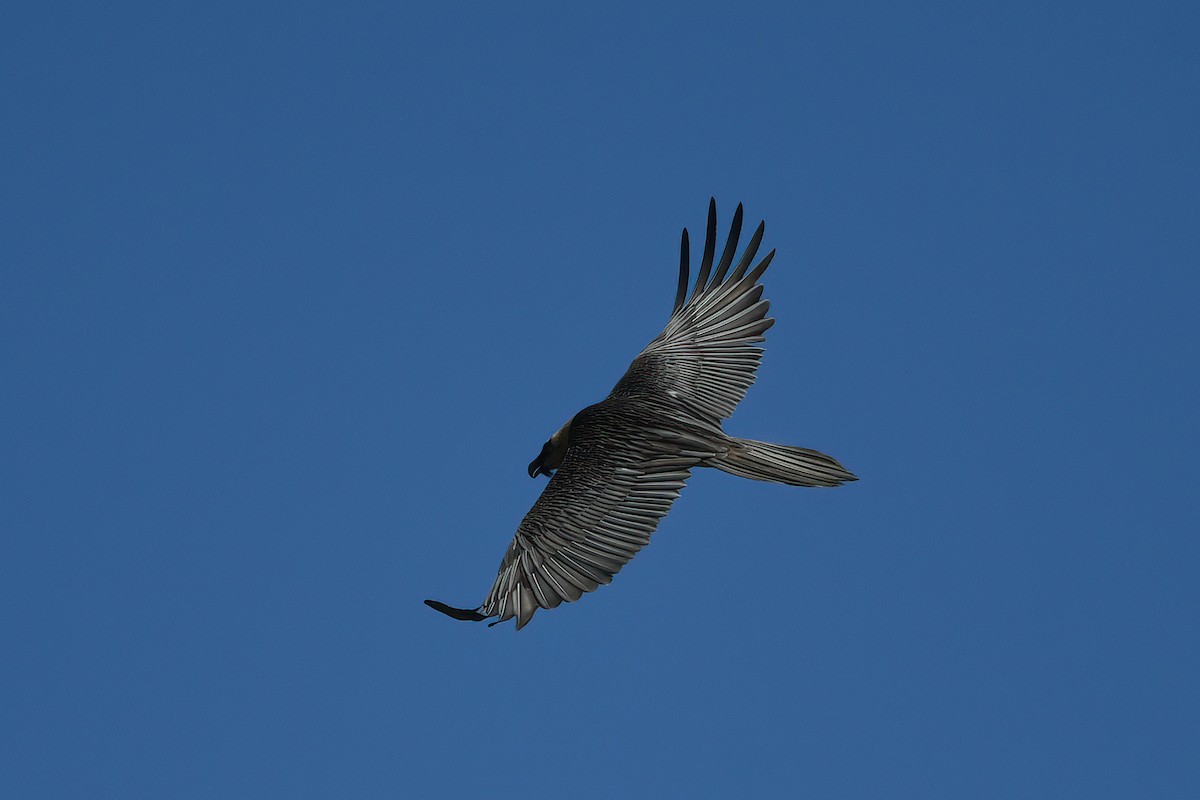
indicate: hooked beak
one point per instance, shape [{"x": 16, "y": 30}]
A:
[{"x": 536, "y": 466}]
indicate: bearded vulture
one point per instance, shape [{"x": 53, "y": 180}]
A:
[{"x": 617, "y": 466}]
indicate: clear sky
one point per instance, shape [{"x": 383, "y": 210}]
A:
[{"x": 291, "y": 296}]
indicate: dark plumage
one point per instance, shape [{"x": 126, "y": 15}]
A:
[{"x": 618, "y": 465}]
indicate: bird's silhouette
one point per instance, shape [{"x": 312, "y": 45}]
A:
[{"x": 617, "y": 466}]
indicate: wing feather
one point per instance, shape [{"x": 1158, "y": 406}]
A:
[
  {"x": 681, "y": 291},
  {"x": 618, "y": 479},
  {"x": 710, "y": 248},
  {"x": 707, "y": 355}
]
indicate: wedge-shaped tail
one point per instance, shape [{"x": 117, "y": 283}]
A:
[{"x": 780, "y": 463}]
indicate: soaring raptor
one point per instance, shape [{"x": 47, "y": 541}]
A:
[{"x": 617, "y": 466}]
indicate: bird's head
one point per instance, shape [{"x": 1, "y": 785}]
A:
[{"x": 552, "y": 455}]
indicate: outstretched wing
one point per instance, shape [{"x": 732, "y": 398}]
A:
[
  {"x": 706, "y": 357},
  {"x": 619, "y": 478}
]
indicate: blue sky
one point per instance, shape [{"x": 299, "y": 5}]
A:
[{"x": 292, "y": 295}]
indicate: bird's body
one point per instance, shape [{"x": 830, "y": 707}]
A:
[{"x": 618, "y": 465}]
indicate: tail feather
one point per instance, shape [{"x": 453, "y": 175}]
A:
[{"x": 779, "y": 463}]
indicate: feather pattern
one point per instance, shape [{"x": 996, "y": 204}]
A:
[
  {"x": 707, "y": 356},
  {"x": 599, "y": 509},
  {"x": 628, "y": 457}
]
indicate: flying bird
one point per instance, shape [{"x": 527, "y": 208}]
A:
[{"x": 616, "y": 467}]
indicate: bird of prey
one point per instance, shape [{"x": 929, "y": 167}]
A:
[{"x": 617, "y": 466}]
